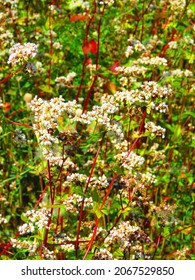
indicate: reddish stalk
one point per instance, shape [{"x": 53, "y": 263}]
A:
[
  {"x": 140, "y": 131},
  {"x": 50, "y": 52},
  {"x": 52, "y": 202},
  {"x": 109, "y": 189},
  {"x": 41, "y": 197},
  {"x": 82, "y": 204},
  {"x": 85, "y": 58},
  {"x": 82, "y": 78},
  {"x": 19, "y": 124},
  {"x": 14, "y": 113},
  {"x": 8, "y": 245},
  {"x": 97, "y": 219},
  {"x": 89, "y": 94},
  {"x": 11, "y": 75}
]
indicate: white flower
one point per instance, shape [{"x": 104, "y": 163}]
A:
[{"x": 21, "y": 53}]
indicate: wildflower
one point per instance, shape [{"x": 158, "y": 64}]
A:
[
  {"x": 26, "y": 228},
  {"x": 125, "y": 236},
  {"x": 103, "y": 254},
  {"x": 21, "y": 53},
  {"x": 129, "y": 51},
  {"x": 2, "y": 220},
  {"x": 65, "y": 80},
  {"x": 37, "y": 218},
  {"x": 31, "y": 246},
  {"x": 176, "y": 5},
  {"x": 155, "y": 130},
  {"x": 46, "y": 114},
  {"x": 106, "y": 2},
  {"x": 74, "y": 201},
  {"x": 1, "y": 103},
  {"x": 129, "y": 161},
  {"x": 57, "y": 46}
]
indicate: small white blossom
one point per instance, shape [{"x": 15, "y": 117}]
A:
[{"x": 21, "y": 53}]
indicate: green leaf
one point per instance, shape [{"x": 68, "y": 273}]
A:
[
  {"x": 46, "y": 88},
  {"x": 105, "y": 211},
  {"x": 190, "y": 57},
  {"x": 24, "y": 218},
  {"x": 177, "y": 133},
  {"x": 118, "y": 254},
  {"x": 55, "y": 206},
  {"x": 186, "y": 114},
  {"x": 97, "y": 210}
]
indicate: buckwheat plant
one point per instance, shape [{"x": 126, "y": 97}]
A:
[
  {"x": 20, "y": 53},
  {"x": 97, "y": 130}
]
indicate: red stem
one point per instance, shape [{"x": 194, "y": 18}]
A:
[
  {"x": 10, "y": 75},
  {"x": 89, "y": 94},
  {"x": 19, "y": 124},
  {"x": 50, "y": 52},
  {"x": 82, "y": 204},
  {"x": 97, "y": 219}
]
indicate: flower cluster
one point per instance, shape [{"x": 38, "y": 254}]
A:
[
  {"x": 100, "y": 114},
  {"x": 129, "y": 51},
  {"x": 19, "y": 138},
  {"x": 136, "y": 44},
  {"x": 136, "y": 182},
  {"x": 57, "y": 46},
  {"x": 129, "y": 161},
  {"x": 95, "y": 182},
  {"x": 1, "y": 103},
  {"x": 152, "y": 89},
  {"x": 79, "y": 3},
  {"x": 32, "y": 247},
  {"x": 47, "y": 254},
  {"x": 173, "y": 45},
  {"x": 131, "y": 70},
  {"x": 61, "y": 237},
  {"x": 176, "y": 6},
  {"x": 139, "y": 254},
  {"x": 13, "y": 3},
  {"x": 26, "y": 228},
  {"x": 2, "y": 220},
  {"x": 99, "y": 183},
  {"x": 6, "y": 37},
  {"x": 183, "y": 253},
  {"x": 157, "y": 154},
  {"x": 181, "y": 73},
  {"x": 37, "y": 219},
  {"x": 65, "y": 80},
  {"x": 161, "y": 107},
  {"x": 155, "y": 130},
  {"x": 148, "y": 94},
  {"x": 148, "y": 178},
  {"x": 21, "y": 53},
  {"x": 75, "y": 177},
  {"x": 151, "y": 60},
  {"x": 125, "y": 236},
  {"x": 103, "y": 254},
  {"x": 39, "y": 67},
  {"x": 106, "y": 2},
  {"x": 46, "y": 115},
  {"x": 74, "y": 201},
  {"x": 165, "y": 213},
  {"x": 67, "y": 247}
]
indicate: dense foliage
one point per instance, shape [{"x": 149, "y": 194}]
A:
[{"x": 96, "y": 128}]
